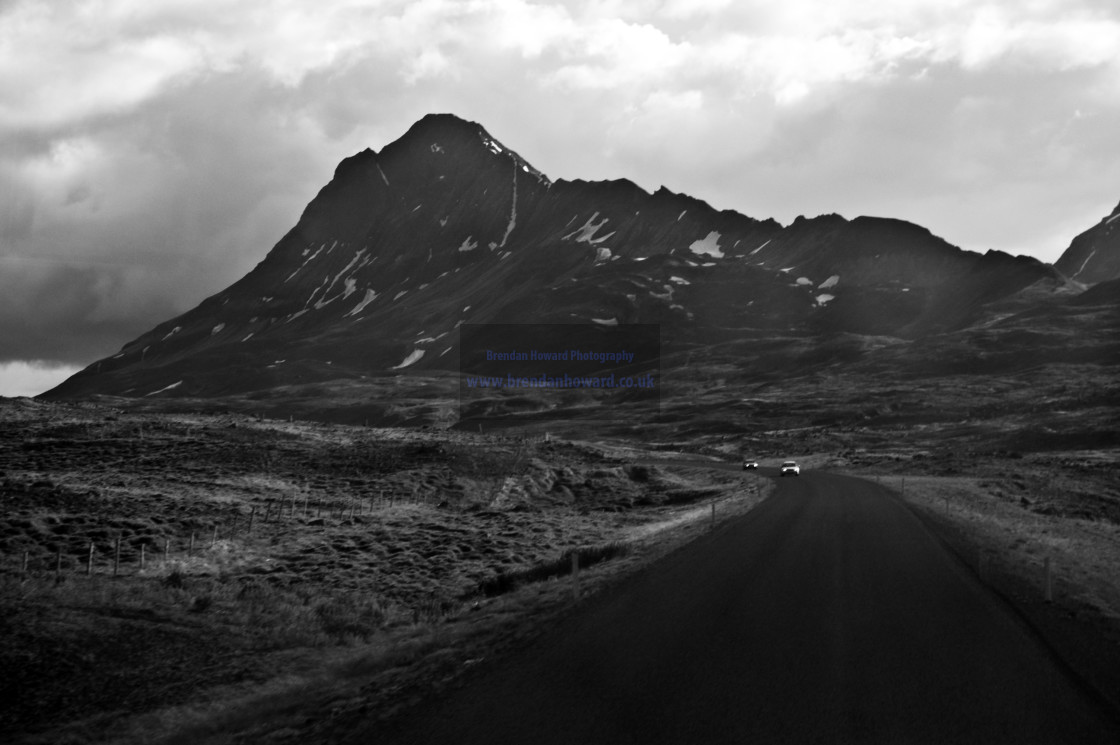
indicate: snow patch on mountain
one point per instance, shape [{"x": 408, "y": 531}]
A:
[
  {"x": 824, "y": 298},
  {"x": 173, "y": 331},
  {"x": 316, "y": 291},
  {"x": 679, "y": 280},
  {"x": 467, "y": 245},
  {"x": 349, "y": 283},
  {"x": 412, "y": 358},
  {"x": 306, "y": 261},
  {"x": 764, "y": 245},
  {"x": 605, "y": 321},
  {"x": 804, "y": 281},
  {"x": 586, "y": 234},
  {"x": 512, "y": 213},
  {"x": 830, "y": 282},
  {"x": 369, "y": 298},
  {"x": 709, "y": 245},
  {"x": 1085, "y": 263},
  {"x": 171, "y": 387},
  {"x": 217, "y": 329}
]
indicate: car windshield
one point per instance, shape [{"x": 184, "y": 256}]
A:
[{"x": 788, "y": 463}]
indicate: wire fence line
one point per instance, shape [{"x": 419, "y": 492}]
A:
[{"x": 101, "y": 552}]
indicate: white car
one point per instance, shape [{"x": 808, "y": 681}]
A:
[{"x": 790, "y": 468}]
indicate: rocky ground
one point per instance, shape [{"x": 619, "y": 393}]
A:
[{"x": 251, "y": 580}]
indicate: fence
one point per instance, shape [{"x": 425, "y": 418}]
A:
[
  {"x": 1057, "y": 555},
  {"x": 136, "y": 553}
]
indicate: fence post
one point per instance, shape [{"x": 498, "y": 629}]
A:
[
  {"x": 252, "y": 514},
  {"x": 575, "y": 574},
  {"x": 190, "y": 546},
  {"x": 143, "y": 548},
  {"x": 166, "y": 549},
  {"x": 58, "y": 566},
  {"x": 25, "y": 554},
  {"x": 89, "y": 560},
  {"x": 117, "y": 556},
  {"x": 214, "y": 537}
]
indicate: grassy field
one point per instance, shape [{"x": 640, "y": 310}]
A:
[{"x": 262, "y": 581}]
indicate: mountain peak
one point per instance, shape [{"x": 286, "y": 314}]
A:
[
  {"x": 451, "y": 135},
  {"x": 441, "y": 124}
]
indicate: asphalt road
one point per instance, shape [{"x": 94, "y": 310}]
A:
[{"x": 828, "y": 614}]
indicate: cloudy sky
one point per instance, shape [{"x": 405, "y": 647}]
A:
[{"x": 153, "y": 151}]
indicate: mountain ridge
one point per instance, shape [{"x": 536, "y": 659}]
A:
[{"x": 447, "y": 225}]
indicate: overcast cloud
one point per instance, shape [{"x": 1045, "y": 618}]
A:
[{"x": 151, "y": 153}]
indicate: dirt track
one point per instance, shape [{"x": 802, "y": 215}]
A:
[{"x": 827, "y": 614}]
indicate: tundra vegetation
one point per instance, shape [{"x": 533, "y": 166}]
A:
[{"x": 180, "y": 578}]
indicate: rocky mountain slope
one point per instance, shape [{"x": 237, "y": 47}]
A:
[
  {"x": 1094, "y": 256},
  {"x": 358, "y": 307}
]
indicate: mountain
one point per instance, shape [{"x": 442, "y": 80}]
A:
[
  {"x": 447, "y": 226},
  {"x": 1094, "y": 256}
]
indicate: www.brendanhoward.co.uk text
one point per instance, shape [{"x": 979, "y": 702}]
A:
[
  {"x": 566, "y": 355},
  {"x": 561, "y": 381}
]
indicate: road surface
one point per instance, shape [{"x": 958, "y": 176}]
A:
[{"x": 828, "y": 614}]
